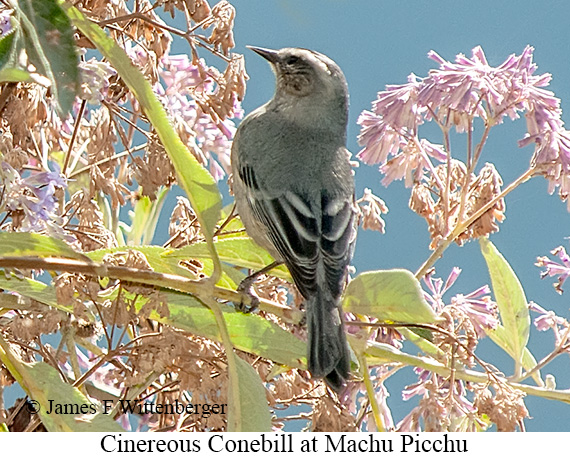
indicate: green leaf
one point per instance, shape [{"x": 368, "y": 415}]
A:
[
  {"x": 199, "y": 185},
  {"x": 20, "y": 244},
  {"x": 512, "y": 303},
  {"x": 422, "y": 339},
  {"x": 251, "y": 406},
  {"x": 31, "y": 288},
  {"x": 145, "y": 217},
  {"x": 242, "y": 252},
  {"x": 248, "y": 332},
  {"x": 8, "y": 50},
  {"x": 161, "y": 263},
  {"x": 43, "y": 384},
  {"x": 528, "y": 363},
  {"x": 11, "y": 70},
  {"x": 390, "y": 295},
  {"x": 50, "y": 46},
  {"x": 234, "y": 227},
  {"x": 15, "y": 75},
  {"x": 502, "y": 338}
]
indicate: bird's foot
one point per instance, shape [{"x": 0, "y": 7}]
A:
[{"x": 245, "y": 288}]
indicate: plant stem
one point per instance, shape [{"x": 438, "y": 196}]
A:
[
  {"x": 560, "y": 348},
  {"x": 371, "y": 395},
  {"x": 179, "y": 283},
  {"x": 387, "y": 352},
  {"x": 234, "y": 417},
  {"x": 73, "y": 137}
]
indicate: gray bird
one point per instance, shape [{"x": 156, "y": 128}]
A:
[{"x": 294, "y": 191}]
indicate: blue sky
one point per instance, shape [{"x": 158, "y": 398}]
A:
[{"x": 379, "y": 42}]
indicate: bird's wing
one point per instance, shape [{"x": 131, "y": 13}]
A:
[
  {"x": 338, "y": 236},
  {"x": 306, "y": 234}
]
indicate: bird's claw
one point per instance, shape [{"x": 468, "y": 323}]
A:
[{"x": 246, "y": 288}]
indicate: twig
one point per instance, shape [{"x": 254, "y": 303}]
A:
[
  {"x": 461, "y": 227},
  {"x": 388, "y": 352},
  {"x": 73, "y": 136},
  {"x": 108, "y": 159},
  {"x": 561, "y": 348}
]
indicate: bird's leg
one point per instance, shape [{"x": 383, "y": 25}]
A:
[{"x": 246, "y": 287}]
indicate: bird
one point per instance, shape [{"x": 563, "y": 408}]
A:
[{"x": 294, "y": 191}]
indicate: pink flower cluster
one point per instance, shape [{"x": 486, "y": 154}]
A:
[
  {"x": 454, "y": 95},
  {"x": 552, "y": 268},
  {"x": 477, "y": 305},
  {"x": 180, "y": 80}
]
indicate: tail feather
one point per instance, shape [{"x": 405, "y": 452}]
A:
[{"x": 328, "y": 349}]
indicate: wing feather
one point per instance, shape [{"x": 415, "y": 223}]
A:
[{"x": 306, "y": 234}]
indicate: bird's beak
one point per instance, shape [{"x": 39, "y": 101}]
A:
[{"x": 268, "y": 54}]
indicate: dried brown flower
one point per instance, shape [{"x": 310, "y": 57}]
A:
[
  {"x": 24, "y": 115},
  {"x": 99, "y": 135},
  {"x": 222, "y": 37},
  {"x": 184, "y": 228},
  {"x": 371, "y": 209},
  {"x": 29, "y": 325},
  {"x": 156, "y": 39},
  {"x": 291, "y": 386},
  {"x": 103, "y": 9},
  {"x": 486, "y": 188},
  {"x": 198, "y": 9},
  {"x": 14, "y": 155},
  {"x": 442, "y": 215},
  {"x": 153, "y": 170},
  {"x": 329, "y": 415},
  {"x": 230, "y": 88},
  {"x": 459, "y": 329},
  {"x": 506, "y": 408},
  {"x": 90, "y": 230}
]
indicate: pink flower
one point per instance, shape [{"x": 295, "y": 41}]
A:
[
  {"x": 398, "y": 105},
  {"x": 454, "y": 95},
  {"x": 410, "y": 163},
  {"x": 477, "y": 305},
  {"x": 438, "y": 288},
  {"x": 482, "y": 311},
  {"x": 548, "y": 320},
  {"x": 180, "y": 80},
  {"x": 378, "y": 138},
  {"x": 562, "y": 269}
]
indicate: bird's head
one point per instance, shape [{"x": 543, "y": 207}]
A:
[{"x": 307, "y": 79}]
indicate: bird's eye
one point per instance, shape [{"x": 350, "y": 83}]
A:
[{"x": 292, "y": 60}]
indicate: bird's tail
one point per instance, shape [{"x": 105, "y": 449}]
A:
[{"x": 328, "y": 350}]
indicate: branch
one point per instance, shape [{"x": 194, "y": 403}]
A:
[
  {"x": 200, "y": 289},
  {"x": 387, "y": 352}
]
